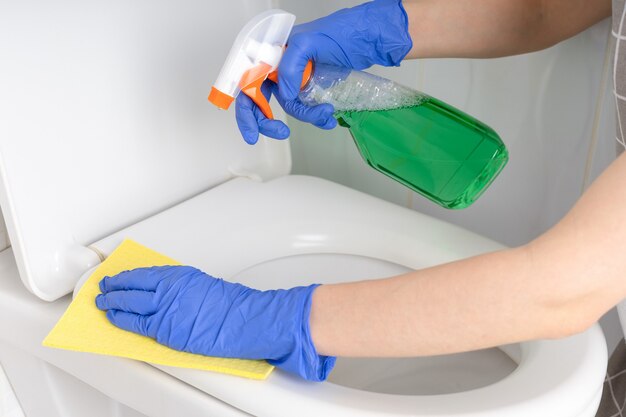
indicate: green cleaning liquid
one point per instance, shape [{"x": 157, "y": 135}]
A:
[
  {"x": 419, "y": 141},
  {"x": 432, "y": 148}
]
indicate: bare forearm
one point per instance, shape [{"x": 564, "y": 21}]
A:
[
  {"x": 492, "y": 28},
  {"x": 455, "y": 307},
  {"x": 555, "y": 286}
]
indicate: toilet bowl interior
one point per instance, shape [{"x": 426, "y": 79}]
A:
[{"x": 444, "y": 374}]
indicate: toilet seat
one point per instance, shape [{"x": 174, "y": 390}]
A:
[
  {"x": 303, "y": 215},
  {"x": 559, "y": 378}
]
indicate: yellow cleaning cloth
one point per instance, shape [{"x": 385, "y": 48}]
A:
[{"x": 84, "y": 328}]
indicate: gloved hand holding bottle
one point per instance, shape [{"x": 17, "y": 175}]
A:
[
  {"x": 423, "y": 143},
  {"x": 188, "y": 310},
  {"x": 374, "y": 33}
]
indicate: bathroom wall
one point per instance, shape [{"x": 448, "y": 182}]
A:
[
  {"x": 4, "y": 237},
  {"x": 543, "y": 105},
  {"x": 553, "y": 109}
]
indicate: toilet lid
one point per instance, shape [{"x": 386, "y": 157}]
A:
[
  {"x": 297, "y": 215},
  {"x": 105, "y": 121}
]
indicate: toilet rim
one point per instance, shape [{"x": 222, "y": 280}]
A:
[
  {"x": 564, "y": 375},
  {"x": 318, "y": 216},
  {"x": 539, "y": 383}
]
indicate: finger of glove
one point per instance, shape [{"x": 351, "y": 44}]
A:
[
  {"x": 139, "y": 302},
  {"x": 246, "y": 119},
  {"x": 129, "y": 321},
  {"x": 274, "y": 129},
  {"x": 299, "y": 52},
  {"x": 252, "y": 121},
  {"x": 145, "y": 279},
  {"x": 270, "y": 127},
  {"x": 320, "y": 115}
]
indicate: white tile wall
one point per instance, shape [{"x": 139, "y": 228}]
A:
[{"x": 4, "y": 236}]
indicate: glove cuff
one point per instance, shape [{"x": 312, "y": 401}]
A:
[
  {"x": 303, "y": 358},
  {"x": 392, "y": 22},
  {"x": 380, "y": 35}
]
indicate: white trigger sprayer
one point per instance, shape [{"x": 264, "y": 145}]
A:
[{"x": 254, "y": 57}]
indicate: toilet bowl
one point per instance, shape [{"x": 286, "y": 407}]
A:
[
  {"x": 129, "y": 148},
  {"x": 307, "y": 230},
  {"x": 322, "y": 233}
]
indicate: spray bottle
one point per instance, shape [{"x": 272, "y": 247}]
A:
[{"x": 430, "y": 147}]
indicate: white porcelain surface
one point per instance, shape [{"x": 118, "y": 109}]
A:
[
  {"x": 106, "y": 121},
  {"x": 229, "y": 227},
  {"x": 296, "y": 216},
  {"x": 43, "y": 379},
  {"x": 9, "y": 406}
]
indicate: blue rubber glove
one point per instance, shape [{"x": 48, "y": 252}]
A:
[
  {"x": 251, "y": 121},
  {"x": 357, "y": 38},
  {"x": 188, "y": 310}
]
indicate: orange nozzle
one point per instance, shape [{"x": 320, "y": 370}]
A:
[{"x": 221, "y": 100}]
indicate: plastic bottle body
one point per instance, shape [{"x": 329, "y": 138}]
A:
[{"x": 419, "y": 141}]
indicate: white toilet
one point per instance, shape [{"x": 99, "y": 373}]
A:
[{"x": 108, "y": 136}]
